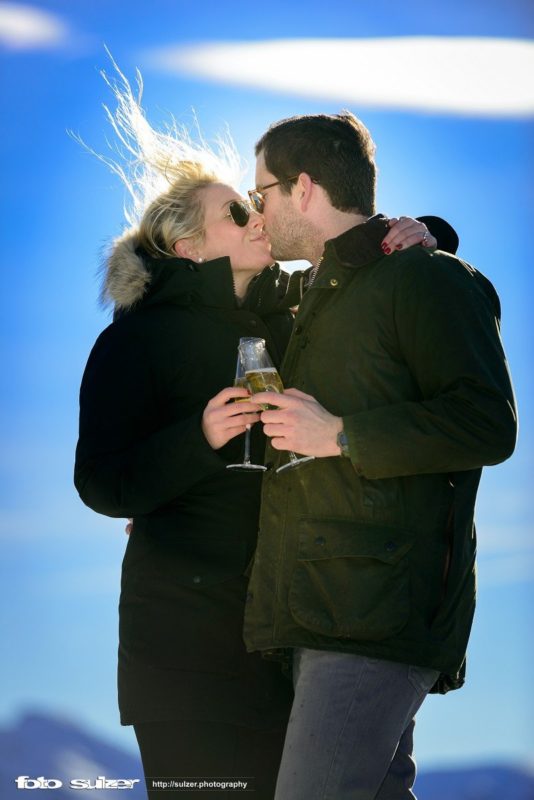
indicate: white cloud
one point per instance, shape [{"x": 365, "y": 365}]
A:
[
  {"x": 460, "y": 75},
  {"x": 23, "y": 27}
]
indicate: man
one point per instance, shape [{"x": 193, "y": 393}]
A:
[{"x": 365, "y": 566}]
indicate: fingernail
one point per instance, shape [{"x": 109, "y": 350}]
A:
[
  {"x": 387, "y": 250},
  {"x": 383, "y": 246},
  {"x": 399, "y": 247}
]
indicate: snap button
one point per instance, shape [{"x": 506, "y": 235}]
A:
[
  {"x": 334, "y": 282},
  {"x": 298, "y": 329},
  {"x": 391, "y": 547},
  {"x": 321, "y": 541},
  {"x": 197, "y": 579}
]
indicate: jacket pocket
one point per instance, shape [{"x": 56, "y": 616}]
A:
[{"x": 351, "y": 579}]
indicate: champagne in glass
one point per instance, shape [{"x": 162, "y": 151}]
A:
[
  {"x": 262, "y": 376},
  {"x": 264, "y": 380},
  {"x": 240, "y": 381}
]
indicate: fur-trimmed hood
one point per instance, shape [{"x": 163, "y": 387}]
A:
[{"x": 125, "y": 275}]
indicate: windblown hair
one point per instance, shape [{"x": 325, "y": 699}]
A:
[{"x": 163, "y": 171}]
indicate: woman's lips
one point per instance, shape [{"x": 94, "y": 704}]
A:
[{"x": 261, "y": 238}]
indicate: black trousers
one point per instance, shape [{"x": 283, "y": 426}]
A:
[{"x": 200, "y": 751}]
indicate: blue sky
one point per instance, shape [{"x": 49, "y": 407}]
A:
[{"x": 61, "y": 562}]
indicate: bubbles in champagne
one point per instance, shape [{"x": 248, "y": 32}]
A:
[{"x": 265, "y": 380}]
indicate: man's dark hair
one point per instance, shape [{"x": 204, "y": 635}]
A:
[{"x": 334, "y": 149}]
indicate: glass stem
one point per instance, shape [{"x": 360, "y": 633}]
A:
[{"x": 247, "y": 445}]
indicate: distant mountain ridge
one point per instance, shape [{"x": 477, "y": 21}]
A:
[
  {"x": 42, "y": 745},
  {"x": 476, "y": 783}
]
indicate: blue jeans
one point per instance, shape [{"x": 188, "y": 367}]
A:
[{"x": 350, "y": 733}]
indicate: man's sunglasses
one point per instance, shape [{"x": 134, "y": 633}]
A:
[
  {"x": 256, "y": 195},
  {"x": 239, "y": 211}
]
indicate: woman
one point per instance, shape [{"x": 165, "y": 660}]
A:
[{"x": 156, "y": 434}]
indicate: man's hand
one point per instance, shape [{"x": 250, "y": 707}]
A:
[
  {"x": 300, "y": 423},
  {"x": 222, "y": 420}
]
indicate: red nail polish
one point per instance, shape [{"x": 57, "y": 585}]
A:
[
  {"x": 383, "y": 246},
  {"x": 399, "y": 247},
  {"x": 387, "y": 250}
]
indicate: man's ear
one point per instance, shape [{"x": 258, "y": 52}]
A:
[
  {"x": 304, "y": 190},
  {"x": 185, "y": 248}
]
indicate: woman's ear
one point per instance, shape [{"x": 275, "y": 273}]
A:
[{"x": 184, "y": 248}]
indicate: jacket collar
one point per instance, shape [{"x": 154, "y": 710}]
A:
[
  {"x": 359, "y": 245},
  {"x": 179, "y": 281},
  {"x": 211, "y": 283}
]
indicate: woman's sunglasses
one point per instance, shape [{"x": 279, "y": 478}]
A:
[{"x": 239, "y": 211}]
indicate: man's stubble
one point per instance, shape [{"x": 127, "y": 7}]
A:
[{"x": 292, "y": 236}]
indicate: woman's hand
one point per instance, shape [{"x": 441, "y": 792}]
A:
[
  {"x": 222, "y": 420},
  {"x": 405, "y": 232}
]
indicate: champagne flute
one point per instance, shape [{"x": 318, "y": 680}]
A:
[
  {"x": 262, "y": 376},
  {"x": 241, "y": 381}
]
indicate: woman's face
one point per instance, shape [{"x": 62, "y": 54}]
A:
[{"x": 248, "y": 248}]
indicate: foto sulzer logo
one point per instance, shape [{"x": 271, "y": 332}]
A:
[{"x": 25, "y": 782}]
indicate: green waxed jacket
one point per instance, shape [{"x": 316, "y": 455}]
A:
[{"x": 376, "y": 554}]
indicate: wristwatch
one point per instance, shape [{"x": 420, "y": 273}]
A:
[{"x": 343, "y": 444}]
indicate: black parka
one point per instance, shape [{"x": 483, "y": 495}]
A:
[{"x": 142, "y": 454}]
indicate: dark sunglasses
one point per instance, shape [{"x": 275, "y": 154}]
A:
[{"x": 239, "y": 211}]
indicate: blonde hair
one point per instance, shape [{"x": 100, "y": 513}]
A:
[
  {"x": 163, "y": 170},
  {"x": 177, "y": 213}
]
